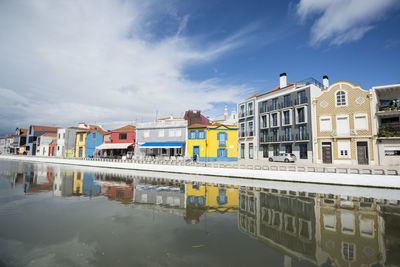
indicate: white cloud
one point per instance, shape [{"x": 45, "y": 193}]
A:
[
  {"x": 341, "y": 21},
  {"x": 69, "y": 61}
]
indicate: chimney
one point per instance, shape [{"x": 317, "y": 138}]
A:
[
  {"x": 283, "y": 81},
  {"x": 325, "y": 81}
]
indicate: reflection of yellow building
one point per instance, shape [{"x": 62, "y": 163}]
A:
[
  {"x": 212, "y": 142},
  {"x": 212, "y": 197},
  {"x": 80, "y": 144},
  {"x": 78, "y": 183}
]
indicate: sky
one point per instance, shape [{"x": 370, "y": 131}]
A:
[{"x": 118, "y": 62}]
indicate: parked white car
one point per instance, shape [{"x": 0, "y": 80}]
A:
[{"x": 284, "y": 157}]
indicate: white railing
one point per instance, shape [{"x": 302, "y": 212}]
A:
[{"x": 162, "y": 124}]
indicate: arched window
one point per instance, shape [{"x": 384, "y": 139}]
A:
[{"x": 340, "y": 98}]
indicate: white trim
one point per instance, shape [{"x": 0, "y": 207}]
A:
[
  {"x": 330, "y": 123},
  {"x": 344, "y": 146},
  {"x": 366, "y": 121},
  {"x": 305, "y": 115},
  {"x": 345, "y": 98}
]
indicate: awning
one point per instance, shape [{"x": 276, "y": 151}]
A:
[
  {"x": 114, "y": 146},
  {"x": 163, "y": 145}
]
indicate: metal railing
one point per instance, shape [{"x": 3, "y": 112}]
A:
[
  {"x": 302, "y": 100},
  {"x": 302, "y": 137}
]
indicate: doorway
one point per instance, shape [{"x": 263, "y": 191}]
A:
[
  {"x": 362, "y": 153},
  {"x": 326, "y": 152}
]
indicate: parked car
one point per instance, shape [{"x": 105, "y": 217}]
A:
[{"x": 285, "y": 157}]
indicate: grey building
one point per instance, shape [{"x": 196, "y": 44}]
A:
[
  {"x": 66, "y": 138},
  {"x": 285, "y": 122},
  {"x": 164, "y": 137}
]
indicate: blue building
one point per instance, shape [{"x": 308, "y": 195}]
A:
[{"x": 93, "y": 139}]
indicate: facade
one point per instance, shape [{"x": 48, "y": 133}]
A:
[
  {"x": 19, "y": 142},
  {"x": 119, "y": 142},
  {"x": 248, "y": 123},
  {"x": 2, "y": 144},
  {"x": 33, "y": 132},
  {"x": 66, "y": 140},
  {"x": 80, "y": 144},
  {"x": 344, "y": 125},
  {"x": 94, "y": 139},
  {"x": 285, "y": 121},
  {"x": 212, "y": 142},
  {"x": 43, "y": 142},
  {"x": 387, "y": 119},
  {"x": 162, "y": 138},
  {"x": 53, "y": 148}
]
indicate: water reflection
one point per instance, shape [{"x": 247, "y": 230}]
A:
[{"x": 321, "y": 229}]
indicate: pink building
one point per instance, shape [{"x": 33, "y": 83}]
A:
[{"x": 119, "y": 143}]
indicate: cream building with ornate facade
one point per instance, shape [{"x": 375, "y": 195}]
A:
[{"x": 344, "y": 125}]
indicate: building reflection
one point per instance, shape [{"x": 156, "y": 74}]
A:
[{"x": 326, "y": 230}]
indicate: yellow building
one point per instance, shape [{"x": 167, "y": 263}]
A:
[
  {"x": 80, "y": 144},
  {"x": 212, "y": 142},
  {"x": 77, "y": 188},
  {"x": 343, "y": 123}
]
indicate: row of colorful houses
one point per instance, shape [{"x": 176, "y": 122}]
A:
[
  {"x": 339, "y": 123},
  {"x": 192, "y": 137}
]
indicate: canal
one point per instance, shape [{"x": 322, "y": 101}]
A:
[{"x": 57, "y": 215}]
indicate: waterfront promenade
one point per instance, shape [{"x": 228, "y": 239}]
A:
[{"x": 379, "y": 177}]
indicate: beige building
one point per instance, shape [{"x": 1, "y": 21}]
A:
[{"x": 343, "y": 125}]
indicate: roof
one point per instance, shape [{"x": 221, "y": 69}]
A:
[
  {"x": 197, "y": 126},
  {"x": 39, "y": 128},
  {"x": 214, "y": 125},
  {"x": 49, "y": 134},
  {"x": 77, "y": 128},
  {"x": 278, "y": 88},
  {"x": 255, "y": 95},
  {"x": 170, "y": 118},
  {"x": 127, "y": 128},
  {"x": 23, "y": 132},
  {"x": 53, "y": 141},
  {"x": 96, "y": 128}
]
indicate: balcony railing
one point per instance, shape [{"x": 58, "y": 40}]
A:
[
  {"x": 251, "y": 133},
  {"x": 250, "y": 113},
  {"x": 242, "y": 134},
  {"x": 387, "y": 108},
  {"x": 287, "y": 137},
  {"x": 301, "y": 100},
  {"x": 241, "y": 115},
  {"x": 389, "y": 130},
  {"x": 302, "y": 137}
]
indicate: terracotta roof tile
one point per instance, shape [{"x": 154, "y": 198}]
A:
[
  {"x": 49, "y": 134},
  {"x": 127, "y": 128},
  {"x": 39, "y": 128},
  {"x": 197, "y": 126}
]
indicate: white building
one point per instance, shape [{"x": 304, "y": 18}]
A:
[
  {"x": 227, "y": 119},
  {"x": 43, "y": 142},
  {"x": 387, "y": 118}
]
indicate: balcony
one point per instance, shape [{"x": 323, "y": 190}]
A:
[
  {"x": 242, "y": 115},
  {"x": 302, "y": 137},
  {"x": 222, "y": 143},
  {"x": 270, "y": 138},
  {"x": 251, "y": 133},
  {"x": 389, "y": 130},
  {"x": 250, "y": 113},
  {"x": 287, "y": 138},
  {"x": 286, "y": 104},
  {"x": 242, "y": 134},
  {"x": 300, "y": 101}
]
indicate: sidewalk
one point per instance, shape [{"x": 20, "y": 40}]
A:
[{"x": 285, "y": 173}]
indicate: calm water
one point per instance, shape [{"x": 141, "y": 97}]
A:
[{"x": 54, "y": 215}]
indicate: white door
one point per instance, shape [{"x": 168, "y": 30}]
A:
[{"x": 342, "y": 126}]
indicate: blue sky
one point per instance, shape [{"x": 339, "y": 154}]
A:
[{"x": 118, "y": 62}]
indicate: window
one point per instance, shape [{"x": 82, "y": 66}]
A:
[
  {"x": 392, "y": 150},
  {"x": 242, "y": 130},
  {"x": 192, "y": 135},
  {"x": 343, "y": 149},
  {"x": 58, "y": 148},
  {"x": 348, "y": 222},
  {"x": 360, "y": 122},
  {"x": 276, "y": 150},
  {"x": 325, "y": 124},
  {"x": 265, "y": 151},
  {"x": 264, "y": 106},
  {"x": 301, "y": 97},
  {"x": 367, "y": 228},
  {"x": 348, "y": 251},
  {"x": 146, "y": 133},
  {"x": 342, "y": 126},
  {"x": 59, "y": 136},
  {"x": 303, "y": 151},
  {"x": 250, "y": 130},
  {"x": 202, "y": 134},
  {"x": 286, "y": 117},
  {"x": 242, "y": 152},
  {"x": 300, "y": 115},
  {"x": 161, "y": 133},
  {"x": 107, "y": 138},
  {"x": 251, "y": 151},
  {"x": 250, "y": 109},
  {"x": 222, "y": 137},
  {"x": 286, "y": 101},
  {"x": 274, "y": 103},
  {"x": 94, "y": 135},
  {"x": 288, "y": 148},
  {"x": 340, "y": 98},
  {"x": 171, "y": 132},
  {"x": 81, "y": 137},
  {"x": 329, "y": 222},
  {"x": 264, "y": 121},
  {"x": 241, "y": 114},
  {"x": 303, "y": 133},
  {"x": 288, "y": 135},
  {"x": 178, "y": 132},
  {"x": 275, "y": 119},
  {"x": 222, "y": 152},
  {"x": 63, "y": 135}
]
